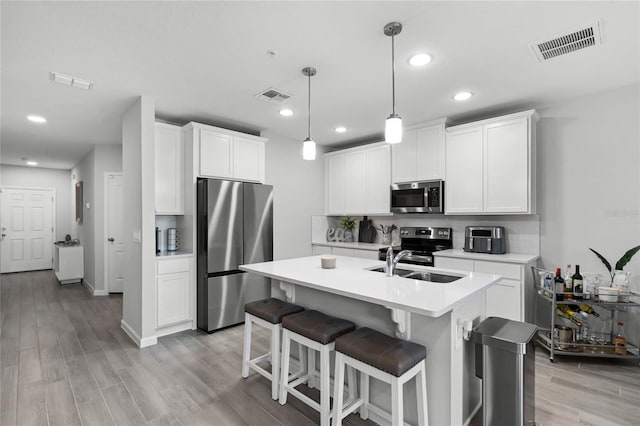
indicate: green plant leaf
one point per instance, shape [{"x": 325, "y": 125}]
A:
[
  {"x": 620, "y": 264},
  {"x": 606, "y": 263}
]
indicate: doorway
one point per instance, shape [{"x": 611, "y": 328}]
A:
[
  {"x": 114, "y": 238},
  {"x": 26, "y": 241}
]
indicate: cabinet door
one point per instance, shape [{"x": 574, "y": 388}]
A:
[
  {"x": 378, "y": 180},
  {"x": 356, "y": 182},
  {"x": 335, "y": 184},
  {"x": 463, "y": 190},
  {"x": 318, "y": 249},
  {"x": 248, "y": 159},
  {"x": 339, "y": 251},
  {"x": 215, "y": 154},
  {"x": 506, "y": 167},
  {"x": 430, "y": 153},
  {"x": 503, "y": 300},
  {"x": 455, "y": 264},
  {"x": 173, "y": 298},
  {"x": 365, "y": 254},
  {"x": 403, "y": 158},
  {"x": 168, "y": 170}
]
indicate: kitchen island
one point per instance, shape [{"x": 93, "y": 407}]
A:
[{"x": 428, "y": 313}]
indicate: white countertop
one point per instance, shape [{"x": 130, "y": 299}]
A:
[
  {"x": 506, "y": 258},
  {"x": 354, "y": 245},
  {"x": 351, "y": 279}
]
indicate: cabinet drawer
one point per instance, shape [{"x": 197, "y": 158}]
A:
[
  {"x": 449, "y": 263},
  {"x": 172, "y": 266},
  {"x": 365, "y": 254},
  {"x": 339, "y": 251},
  {"x": 506, "y": 270}
]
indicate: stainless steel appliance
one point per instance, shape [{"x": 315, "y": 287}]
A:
[
  {"x": 485, "y": 239},
  {"x": 422, "y": 242},
  {"x": 235, "y": 226},
  {"x": 418, "y": 197}
]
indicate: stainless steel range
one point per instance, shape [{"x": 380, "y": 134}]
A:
[{"x": 422, "y": 242}]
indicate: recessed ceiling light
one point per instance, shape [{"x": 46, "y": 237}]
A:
[
  {"x": 420, "y": 59},
  {"x": 36, "y": 119},
  {"x": 32, "y": 163},
  {"x": 286, "y": 112},
  {"x": 340, "y": 129},
  {"x": 462, "y": 96}
]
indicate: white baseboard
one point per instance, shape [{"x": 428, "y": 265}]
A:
[
  {"x": 175, "y": 328},
  {"x": 93, "y": 291},
  {"x": 142, "y": 343}
]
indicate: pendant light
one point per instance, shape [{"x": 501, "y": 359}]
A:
[
  {"x": 393, "y": 126},
  {"x": 309, "y": 146}
]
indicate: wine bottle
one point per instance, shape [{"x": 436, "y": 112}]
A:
[
  {"x": 559, "y": 287},
  {"x": 576, "y": 279},
  {"x": 620, "y": 341},
  {"x": 568, "y": 283},
  {"x": 565, "y": 315},
  {"x": 588, "y": 309}
]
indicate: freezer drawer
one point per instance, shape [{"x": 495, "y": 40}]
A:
[{"x": 227, "y": 295}]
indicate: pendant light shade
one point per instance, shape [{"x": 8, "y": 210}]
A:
[
  {"x": 393, "y": 126},
  {"x": 308, "y": 145},
  {"x": 308, "y": 149}
]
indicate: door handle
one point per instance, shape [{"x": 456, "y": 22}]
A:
[
  {"x": 111, "y": 239},
  {"x": 3, "y": 232}
]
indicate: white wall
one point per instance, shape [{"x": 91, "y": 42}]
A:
[
  {"x": 35, "y": 177},
  {"x": 298, "y": 194},
  {"x": 90, "y": 170},
  {"x": 138, "y": 318},
  {"x": 589, "y": 184}
]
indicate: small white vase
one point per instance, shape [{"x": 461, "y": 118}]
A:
[{"x": 348, "y": 236}]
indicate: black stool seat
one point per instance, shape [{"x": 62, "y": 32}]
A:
[
  {"x": 390, "y": 354},
  {"x": 317, "y": 326},
  {"x": 272, "y": 310}
]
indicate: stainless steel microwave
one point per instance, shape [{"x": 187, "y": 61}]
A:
[{"x": 418, "y": 197}]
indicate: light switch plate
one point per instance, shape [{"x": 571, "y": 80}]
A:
[{"x": 137, "y": 236}]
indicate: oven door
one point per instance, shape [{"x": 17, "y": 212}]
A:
[{"x": 417, "y": 197}]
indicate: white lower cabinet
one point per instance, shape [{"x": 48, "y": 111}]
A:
[
  {"x": 173, "y": 291},
  {"x": 343, "y": 251},
  {"x": 505, "y": 299}
]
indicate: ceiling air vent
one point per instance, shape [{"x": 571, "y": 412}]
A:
[
  {"x": 586, "y": 36},
  {"x": 272, "y": 94}
]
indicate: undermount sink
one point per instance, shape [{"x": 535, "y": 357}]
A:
[{"x": 420, "y": 275}]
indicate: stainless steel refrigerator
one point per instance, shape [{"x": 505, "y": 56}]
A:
[{"x": 235, "y": 227}]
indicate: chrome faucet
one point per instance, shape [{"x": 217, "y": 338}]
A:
[{"x": 393, "y": 261}]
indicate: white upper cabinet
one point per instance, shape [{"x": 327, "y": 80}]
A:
[
  {"x": 168, "y": 165},
  {"x": 490, "y": 166},
  {"x": 357, "y": 180},
  {"x": 229, "y": 155},
  {"x": 421, "y": 155}
]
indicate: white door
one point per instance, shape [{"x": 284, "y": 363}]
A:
[
  {"x": 115, "y": 236},
  {"x": 27, "y": 229}
]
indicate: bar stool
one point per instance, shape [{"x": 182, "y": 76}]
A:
[
  {"x": 394, "y": 361},
  {"x": 317, "y": 332},
  {"x": 267, "y": 313}
]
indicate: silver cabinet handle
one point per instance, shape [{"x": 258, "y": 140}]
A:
[
  {"x": 111, "y": 239},
  {"x": 3, "y": 232}
]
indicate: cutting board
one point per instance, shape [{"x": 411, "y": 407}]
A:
[{"x": 366, "y": 232}]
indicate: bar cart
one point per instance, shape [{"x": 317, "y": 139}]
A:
[{"x": 594, "y": 347}]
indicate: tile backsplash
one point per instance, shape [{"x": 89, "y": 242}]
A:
[{"x": 522, "y": 232}]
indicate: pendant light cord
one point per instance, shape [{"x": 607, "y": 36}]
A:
[
  {"x": 309, "y": 118},
  {"x": 393, "y": 75}
]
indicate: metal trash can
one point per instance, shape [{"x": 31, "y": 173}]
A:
[{"x": 505, "y": 361}]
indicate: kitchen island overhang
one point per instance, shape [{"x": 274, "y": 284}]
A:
[{"x": 428, "y": 313}]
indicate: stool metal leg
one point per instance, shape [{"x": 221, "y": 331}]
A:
[
  {"x": 325, "y": 385},
  {"x": 286, "y": 347},
  {"x": 275, "y": 360},
  {"x": 246, "y": 352},
  {"x": 397, "y": 415},
  {"x": 364, "y": 389},
  {"x": 421, "y": 390},
  {"x": 338, "y": 383}
]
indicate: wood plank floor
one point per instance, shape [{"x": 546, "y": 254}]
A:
[{"x": 65, "y": 361}]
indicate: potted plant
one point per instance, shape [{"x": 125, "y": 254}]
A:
[
  {"x": 620, "y": 264},
  {"x": 348, "y": 223}
]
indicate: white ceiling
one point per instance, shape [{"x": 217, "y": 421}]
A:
[{"x": 205, "y": 61}]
